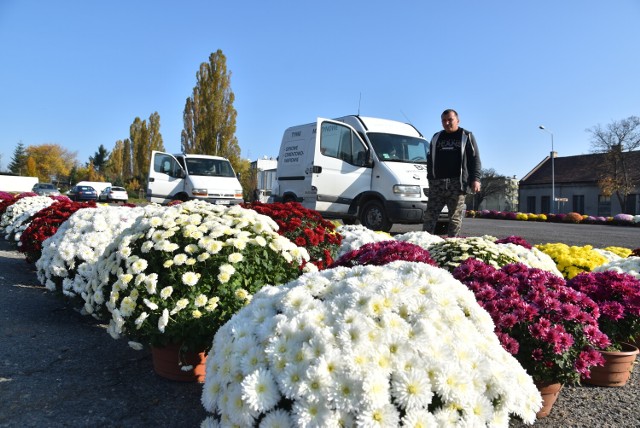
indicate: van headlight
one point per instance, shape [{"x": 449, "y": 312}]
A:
[
  {"x": 200, "y": 192},
  {"x": 406, "y": 190}
]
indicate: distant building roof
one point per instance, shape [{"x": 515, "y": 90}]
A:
[{"x": 578, "y": 169}]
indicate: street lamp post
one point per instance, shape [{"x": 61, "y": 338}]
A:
[{"x": 553, "y": 175}]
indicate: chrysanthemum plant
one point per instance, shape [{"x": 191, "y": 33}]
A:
[
  {"x": 181, "y": 272},
  {"x": 69, "y": 258},
  {"x": 629, "y": 265},
  {"x": 304, "y": 227},
  {"x": 355, "y": 236},
  {"x": 618, "y": 298},
  {"x": 403, "y": 344},
  {"x": 44, "y": 224},
  {"x": 384, "y": 252},
  {"x": 18, "y": 215},
  {"x": 572, "y": 260},
  {"x": 551, "y": 329},
  {"x": 453, "y": 251}
]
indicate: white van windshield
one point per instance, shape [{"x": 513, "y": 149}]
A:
[
  {"x": 209, "y": 167},
  {"x": 399, "y": 148}
]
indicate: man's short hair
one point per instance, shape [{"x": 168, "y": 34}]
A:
[{"x": 449, "y": 110}]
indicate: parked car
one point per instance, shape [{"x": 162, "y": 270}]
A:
[
  {"x": 82, "y": 193},
  {"x": 45, "y": 189},
  {"x": 114, "y": 194}
]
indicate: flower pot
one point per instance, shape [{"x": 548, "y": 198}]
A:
[
  {"x": 617, "y": 367},
  {"x": 169, "y": 362},
  {"x": 549, "y": 393}
]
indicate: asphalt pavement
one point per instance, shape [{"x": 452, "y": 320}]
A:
[
  {"x": 598, "y": 236},
  {"x": 59, "y": 368}
]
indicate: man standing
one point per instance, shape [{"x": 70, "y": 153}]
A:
[{"x": 453, "y": 170}]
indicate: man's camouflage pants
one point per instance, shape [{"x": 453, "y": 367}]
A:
[{"x": 444, "y": 192}]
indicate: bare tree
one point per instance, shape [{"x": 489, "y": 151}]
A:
[
  {"x": 614, "y": 141},
  {"x": 491, "y": 182}
]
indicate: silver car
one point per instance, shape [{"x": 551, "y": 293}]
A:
[
  {"x": 114, "y": 194},
  {"x": 45, "y": 189}
]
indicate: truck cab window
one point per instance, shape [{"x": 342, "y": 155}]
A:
[
  {"x": 341, "y": 142},
  {"x": 166, "y": 165}
]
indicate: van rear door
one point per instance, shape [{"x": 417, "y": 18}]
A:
[
  {"x": 165, "y": 178},
  {"x": 340, "y": 172}
]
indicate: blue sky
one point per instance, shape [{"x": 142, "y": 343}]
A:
[{"x": 77, "y": 73}]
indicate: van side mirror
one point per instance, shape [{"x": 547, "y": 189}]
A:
[{"x": 368, "y": 159}]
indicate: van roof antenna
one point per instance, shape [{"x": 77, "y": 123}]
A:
[
  {"x": 405, "y": 116},
  {"x": 359, "y": 101}
]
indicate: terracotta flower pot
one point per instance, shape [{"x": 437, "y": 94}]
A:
[
  {"x": 549, "y": 393},
  {"x": 168, "y": 362},
  {"x": 617, "y": 367}
]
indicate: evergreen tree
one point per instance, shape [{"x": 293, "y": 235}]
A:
[
  {"x": 18, "y": 164},
  {"x": 209, "y": 116},
  {"x": 100, "y": 159}
]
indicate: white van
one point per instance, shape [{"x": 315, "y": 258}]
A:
[
  {"x": 184, "y": 176},
  {"x": 355, "y": 168}
]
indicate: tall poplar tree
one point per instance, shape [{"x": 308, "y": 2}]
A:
[
  {"x": 145, "y": 137},
  {"x": 114, "y": 169},
  {"x": 209, "y": 116},
  {"x": 127, "y": 160}
]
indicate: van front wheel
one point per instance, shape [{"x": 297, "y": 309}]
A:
[{"x": 374, "y": 217}]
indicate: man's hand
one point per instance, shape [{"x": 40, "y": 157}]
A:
[{"x": 475, "y": 186}]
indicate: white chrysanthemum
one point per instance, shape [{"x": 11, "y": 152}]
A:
[
  {"x": 166, "y": 292},
  {"x": 355, "y": 236},
  {"x": 190, "y": 278},
  {"x": 135, "y": 345},
  {"x": 235, "y": 257},
  {"x": 127, "y": 306},
  {"x": 238, "y": 410},
  {"x": 628, "y": 265},
  {"x": 180, "y": 305},
  {"x": 376, "y": 388},
  {"x": 139, "y": 266},
  {"x": 164, "y": 320},
  {"x": 179, "y": 259},
  {"x": 422, "y": 239},
  {"x": 383, "y": 416},
  {"x": 314, "y": 414},
  {"x": 412, "y": 389},
  {"x": 150, "y": 304},
  {"x": 533, "y": 258},
  {"x": 350, "y": 352},
  {"x": 277, "y": 419},
  {"x": 260, "y": 390},
  {"x": 141, "y": 319},
  {"x": 200, "y": 300},
  {"x": 420, "y": 418}
]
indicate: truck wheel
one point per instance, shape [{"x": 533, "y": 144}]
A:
[
  {"x": 374, "y": 217},
  {"x": 182, "y": 197}
]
